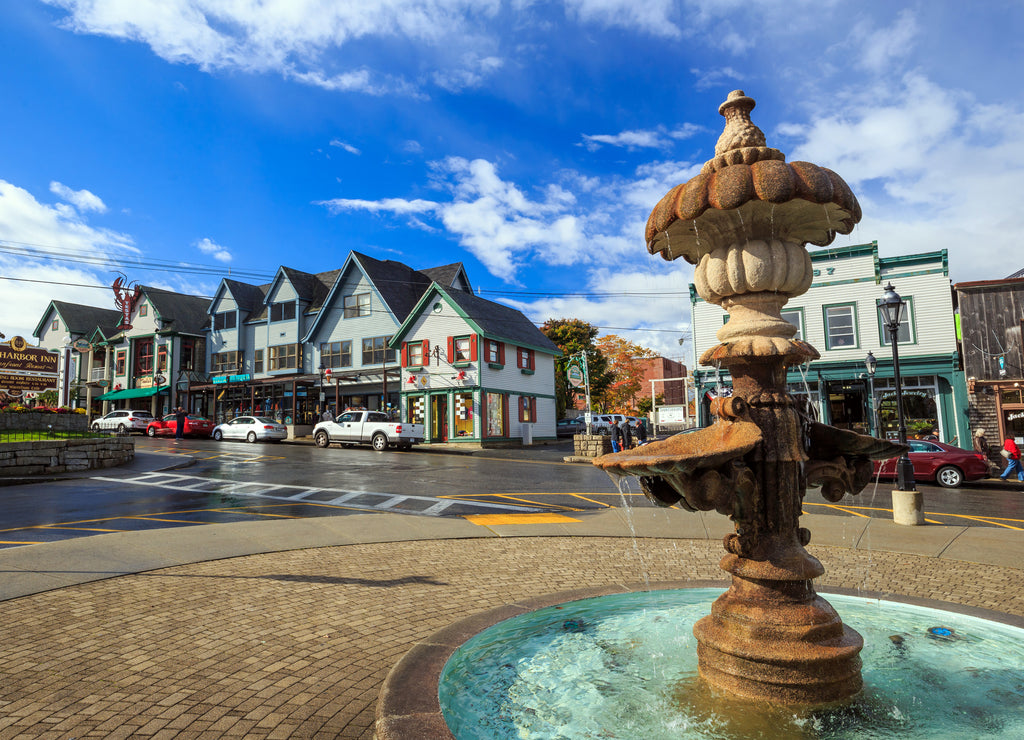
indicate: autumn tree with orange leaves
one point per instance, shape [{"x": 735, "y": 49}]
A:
[{"x": 623, "y": 392}]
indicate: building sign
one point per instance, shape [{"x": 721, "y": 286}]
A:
[
  {"x": 26, "y": 369},
  {"x": 125, "y": 298},
  {"x": 231, "y": 379},
  {"x": 574, "y": 374},
  {"x": 82, "y": 345}
]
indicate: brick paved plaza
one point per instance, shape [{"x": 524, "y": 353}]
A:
[{"x": 296, "y": 644}]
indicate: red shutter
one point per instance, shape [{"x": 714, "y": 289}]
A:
[
  {"x": 426, "y": 352},
  {"x": 501, "y": 353},
  {"x": 451, "y": 350},
  {"x": 405, "y": 354},
  {"x": 532, "y": 361},
  {"x": 472, "y": 348},
  {"x": 533, "y": 409}
]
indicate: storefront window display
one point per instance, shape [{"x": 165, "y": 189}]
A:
[
  {"x": 464, "y": 416},
  {"x": 1011, "y": 401},
  {"x": 920, "y": 409},
  {"x": 416, "y": 409},
  {"x": 495, "y": 415}
]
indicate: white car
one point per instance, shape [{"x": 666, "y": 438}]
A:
[
  {"x": 123, "y": 422},
  {"x": 251, "y": 428}
]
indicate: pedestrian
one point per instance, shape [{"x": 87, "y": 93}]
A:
[
  {"x": 1012, "y": 454},
  {"x": 616, "y": 436},
  {"x": 179, "y": 418},
  {"x": 980, "y": 442},
  {"x": 327, "y": 415},
  {"x": 627, "y": 435},
  {"x": 640, "y": 435}
]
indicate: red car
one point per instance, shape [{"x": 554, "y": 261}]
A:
[
  {"x": 945, "y": 464},
  {"x": 195, "y": 426}
]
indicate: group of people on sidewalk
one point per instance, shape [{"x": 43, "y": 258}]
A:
[{"x": 625, "y": 437}]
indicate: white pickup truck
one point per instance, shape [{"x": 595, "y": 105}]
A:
[{"x": 367, "y": 427}]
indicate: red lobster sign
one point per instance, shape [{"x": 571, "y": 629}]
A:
[{"x": 125, "y": 298}]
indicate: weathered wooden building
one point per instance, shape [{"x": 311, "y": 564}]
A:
[{"x": 991, "y": 316}]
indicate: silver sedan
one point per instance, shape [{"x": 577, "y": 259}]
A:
[{"x": 251, "y": 428}]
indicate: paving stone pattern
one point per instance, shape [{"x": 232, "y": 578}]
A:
[{"x": 297, "y": 644}]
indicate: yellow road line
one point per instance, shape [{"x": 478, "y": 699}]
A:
[
  {"x": 472, "y": 498},
  {"x": 990, "y": 521},
  {"x": 77, "y": 529},
  {"x": 145, "y": 518},
  {"x": 584, "y": 498},
  {"x": 21, "y": 542},
  {"x": 490, "y": 520}
]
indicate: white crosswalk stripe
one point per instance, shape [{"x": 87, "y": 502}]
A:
[{"x": 349, "y": 499}]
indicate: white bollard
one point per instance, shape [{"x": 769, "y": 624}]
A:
[{"x": 907, "y": 507}]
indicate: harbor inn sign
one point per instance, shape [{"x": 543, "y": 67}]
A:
[{"x": 25, "y": 369}]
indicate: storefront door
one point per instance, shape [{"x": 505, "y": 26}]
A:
[
  {"x": 439, "y": 418},
  {"x": 847, "y": 405}
]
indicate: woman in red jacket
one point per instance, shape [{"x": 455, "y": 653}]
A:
[{"x": 1012, "y": 454}]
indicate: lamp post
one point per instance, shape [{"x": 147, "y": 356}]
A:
[
  {"x": 871, "y": 365},
  {"x": 907, "y": 504}
]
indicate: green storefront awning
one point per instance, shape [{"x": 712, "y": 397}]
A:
[{"x": 133, "y": 393}]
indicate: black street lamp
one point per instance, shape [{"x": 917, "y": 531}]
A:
[
  {"x": 871, "y": 365},
  {"x": 893, "y": 311}
]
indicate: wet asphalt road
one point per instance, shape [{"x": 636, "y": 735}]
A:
[{"x": 236, "y": 481}]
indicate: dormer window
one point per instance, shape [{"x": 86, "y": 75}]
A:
[
  {"x": 283, "y": 311},
  {"x": 357, "y": 305}
]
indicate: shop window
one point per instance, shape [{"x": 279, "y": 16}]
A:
[
  {"x": 796, "y": 318},
  {"x": 527, "y": 409},
  {"x": 463, "y": 412},
  {"x": 357, "y": 305},
  {"x": 120, "y": 360},
  {"x": 416, "y": 409},
  {"x": 225, "y": 320},
  {"x": 282, "y": 311},
  {"x": 1011, "y": 396},
  {"x": 336, "y": 354},
  {"x": 144, "y": 309},
  {"x": 143, "y": 357},
  {"x": 906, "y": 333},
  {"x": 525, "y": 359},
  {"x": 462, "y": 349},
  {"x": 257, "y": 361},
  {"x": 840, "y": 327},
  {"x": 161, "y": 359},
  {"x": 495, "y": 415},
  {"x": 376, "y": 352},
  {"x": 188, "y": 354},
  {"x": 283, "y": 357},
  {"x": 224, "y": 362},
  {"x": 495, "y": 352}
]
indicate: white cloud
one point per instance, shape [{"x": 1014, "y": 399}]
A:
[
  {"x": 651, "y": 16},
  {"x": 83, "y": 200},
  {"x": 212, "y": 249},
  {"x": 660, "y": 138},
  {"x": 877, "y": 48},
  {"x": 347, "y": 147},
  {"x": 472, "y": 72},
  {"x": 707, "y": 79}
]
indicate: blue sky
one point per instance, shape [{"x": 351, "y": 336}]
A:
[{"x": 528, "y": 140}]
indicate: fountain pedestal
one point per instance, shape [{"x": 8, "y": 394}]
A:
[{"x": 744, "y": 222}]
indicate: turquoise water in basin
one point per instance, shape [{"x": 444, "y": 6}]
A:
[{"x": 625, "y": 666}]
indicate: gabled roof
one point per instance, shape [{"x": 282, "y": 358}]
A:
[
  {"x": 492, "y": 320},
  {"x": 182, "y": 313},
  {"x": 248, "y": 297},
  {"x": 81, "y": 319},
  {"x": 311, "y": 288},
  {"x": 449, "y": 276}
]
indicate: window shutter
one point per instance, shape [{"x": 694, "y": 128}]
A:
[
  {"x": 533, "y": 365},
  {"x": 426, "y": 352},
  {"x": 405, "y": 354},
  {"x": 501, "y": 353},
  {"x": 451, "y": 350},
  {"x": 533, "y": 409},
  {"x": 472, "y": 347}
]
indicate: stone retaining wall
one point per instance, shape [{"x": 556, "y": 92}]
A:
[
  {"x": 591, "y": 445},
  {"x": 36, "y": 422},
  {"x": 64, "y": 455}
]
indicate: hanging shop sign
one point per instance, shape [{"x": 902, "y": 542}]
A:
[
  {"x": 82, "y": 345},
  {"x": 574, "y": 374},
  {"x": 125, "y": 298}
]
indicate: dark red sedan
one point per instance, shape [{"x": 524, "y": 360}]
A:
[
  {"x": 945, "y": 464},
  {"x": 195, "y": 426}
]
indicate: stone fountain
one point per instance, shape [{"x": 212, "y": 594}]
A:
[{"x": 745, "y": 221}]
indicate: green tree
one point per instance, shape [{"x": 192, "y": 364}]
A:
[{"x": 574, "y": 336}]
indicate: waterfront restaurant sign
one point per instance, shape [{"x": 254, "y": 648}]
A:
[{"x": 25, "y": 369}]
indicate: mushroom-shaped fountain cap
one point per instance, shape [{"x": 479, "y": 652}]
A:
[{"x": 749, "y": 191}]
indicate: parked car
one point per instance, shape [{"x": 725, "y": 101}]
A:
[
  {"x": 195, "y": 426},
  {"x": 569, "y": 427},
  {"x": 945, "y": 464},
  {"x": 601, "y": 423},
  {"x": 367, "y": 427},
  {"x": 251, "y": 428},
  {"x": 123, "y": 421}
]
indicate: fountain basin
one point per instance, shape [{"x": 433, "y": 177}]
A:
[{"x": 930, "y": 670}]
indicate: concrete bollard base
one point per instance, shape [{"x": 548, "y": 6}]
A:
[{"x": 907, "y": 507}]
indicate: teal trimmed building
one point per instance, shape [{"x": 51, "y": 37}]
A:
[{"x": 838, "y": 316}]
